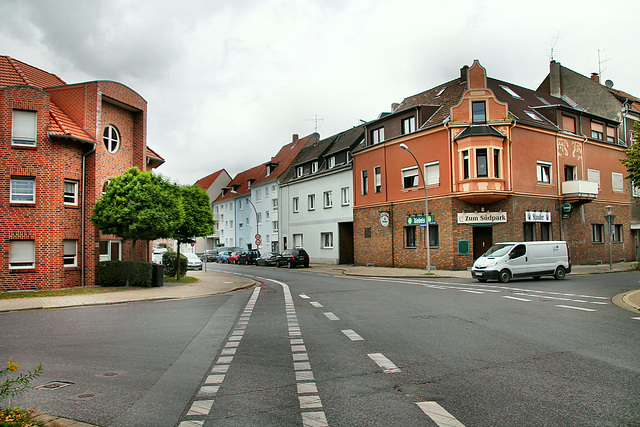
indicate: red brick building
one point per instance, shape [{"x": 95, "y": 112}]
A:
[
  {"x": 501, "y": 162},
  {"x": 60, "y": 144}
]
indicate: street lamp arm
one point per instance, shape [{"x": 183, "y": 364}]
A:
[{"x": 426, "y": 206}]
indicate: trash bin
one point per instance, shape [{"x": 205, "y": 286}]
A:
[{"x": 157, "y": 274}]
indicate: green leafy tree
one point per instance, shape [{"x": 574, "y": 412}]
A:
[
  {"x": 198, "y": 217},
  {"x": 632, "y": 162},
  {"x": 138, "y": 206}
]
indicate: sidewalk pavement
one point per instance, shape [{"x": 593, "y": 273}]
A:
[{"x": 212, "y": 283}]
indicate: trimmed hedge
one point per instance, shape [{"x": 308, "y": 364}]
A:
[
  {"x": 169, "y": 262},
  {"x": 115, "y": 273}
]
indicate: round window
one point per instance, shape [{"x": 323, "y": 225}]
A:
[{"x": 111, "y": 138}]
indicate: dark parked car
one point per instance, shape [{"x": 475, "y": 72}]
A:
[
  {"x": 249, "y": 257},
  {"x": 209, "y": 255},
  {"x": 267, "y": 259},
  {"x": 292, "y": 258}
]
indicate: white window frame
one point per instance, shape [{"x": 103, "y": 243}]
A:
[
  {"x": 432, "y": 173},
  {"x": 240, "y": 205},
  {"x": 70, "y": 254},
  {"x": 326, "y": 240},
  {"x": 314, "y": 167},
  {"x": 259, "y": 219},
  {"x": 299, "y": 171},
  {"x": 364, "y": 181},
  {"x": 18, "y": 195},
  {"x": 345, "y": 196},
  {"x": 540, "y": 167},
  {"x": 71, "y": 197},
  {"x": 111, "y": 139},
  {"x": 311, "y": 202},
  {"x": 258, "y": 195},
  {"x": 377, "y": 179},
  {"x": 617, "y": 181},
  {"x": 240, "y": 224},
  {"x": 107, "y": 256},
  {"x": 296, "y": 205},
  {"x": 274, "y": 226},
  {"x": 22, "y": 254},
  {"x": 327, "y": 198},
  {"x": 274, "y": 205},
  {"x": 408, "y": 125},
  {"x": 410, "y": 172},
  {"x": 377, "y": 136},
  {"x": 24, "y": 129},
  {"x": 331, "y": 162},
  {"x": 298, "y": 240}
]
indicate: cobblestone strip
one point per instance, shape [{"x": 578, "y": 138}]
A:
[{"x": 203, "y": 402}]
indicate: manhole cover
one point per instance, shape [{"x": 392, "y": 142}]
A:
[{"x": 54, "y": 385}]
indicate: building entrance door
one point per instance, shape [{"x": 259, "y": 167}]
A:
[{"x": 482, "y": 240}]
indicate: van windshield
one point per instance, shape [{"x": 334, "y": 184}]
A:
[{"x": 498, "y": 250}]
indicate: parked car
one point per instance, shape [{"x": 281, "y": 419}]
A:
[
  {"x": 193, "y": 261},
  {"x": 292, "y": 258},
  {"x": 210, "y": 255},
  {"x": 267, "y": 259},
  {"x": 249, "y": 257},
  {"x": 223, "y": 256},
  {"x": 234, "y": 257}
]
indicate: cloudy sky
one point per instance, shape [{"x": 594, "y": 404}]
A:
[{"x": 228, "y": 82}]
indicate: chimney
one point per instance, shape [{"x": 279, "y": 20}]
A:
[
  {"x": 295, "y": 137},
  {"x": 555, "y": 85},
  {"x": 595, "y": 77},
  {"x": 463, "y": 73}
]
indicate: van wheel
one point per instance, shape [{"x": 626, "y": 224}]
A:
[
  {"x": 536, "y": 277},
  {"x": 504, "y": 276},
  {"x": 560, "y": 273}
]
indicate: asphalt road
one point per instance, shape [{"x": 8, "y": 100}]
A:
[{"x": 312, "y": 349}]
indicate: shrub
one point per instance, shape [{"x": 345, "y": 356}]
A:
[
  {"x": 169, "y": 262},
  {"x": 116, "y": 273},
  {"x": 16, "y": 386}
]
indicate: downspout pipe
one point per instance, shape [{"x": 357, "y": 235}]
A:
[{"x": 83, "y": 210}]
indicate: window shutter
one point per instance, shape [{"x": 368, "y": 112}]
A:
[
  {"x": 24, "y": 125},
  {"x": 22, "y": 251}
]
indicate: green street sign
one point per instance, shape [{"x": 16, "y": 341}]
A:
[{"x": 419, "y": 220}]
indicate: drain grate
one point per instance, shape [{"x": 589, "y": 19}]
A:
[{"x": 54, "y": 385}]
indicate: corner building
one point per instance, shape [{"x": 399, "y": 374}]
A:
[
  {"x": 501, "y": 163},
  {"x": 60, "y": 144}
]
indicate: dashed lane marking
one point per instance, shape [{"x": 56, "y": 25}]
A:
[
  {"x": 316, "y": 304},
  {"x": 303, "y": 296},
  {"x": 386, "y": 364},
  {"x": 575, "y": 308},
  {"x": 331, "y": 316},
  {"x": 352, "y": 335},
  {"x": 516, "y": 298},
  {"x": 636, "y": 318},
  {"x": 439, "y": 415}
]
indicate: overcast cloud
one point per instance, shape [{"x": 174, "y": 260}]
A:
[{"x": 228, "y": 82}]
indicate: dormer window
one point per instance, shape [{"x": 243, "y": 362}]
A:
[
  {"x": 611, "y": 134},
  {"x": 314, "y": 167},
  {"x": 597, "y": 131},
  {"x": 234, "y": 187},
  {"x": 377, "y": 136},
  {"x": 331, "y": 162},
  {"x": 249, "y": 182},
  {"x": 299, "y": 171},
  {"x": 479, "y": 113},
  {"x": 408, "y": 125},
  {"x": 569, "y": 123}
]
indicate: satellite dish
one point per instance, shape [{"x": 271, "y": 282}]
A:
[{"x": 609, "y": 84}]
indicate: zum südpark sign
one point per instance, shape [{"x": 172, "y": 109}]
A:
[{"x": 482, "y": 217}]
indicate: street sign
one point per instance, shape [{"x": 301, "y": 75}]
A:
[
  {"x": 258, "y": 236},
  {"x": 258, "y": 242}
]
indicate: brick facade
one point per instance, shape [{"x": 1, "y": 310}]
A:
[{"x": 70, "y": 121}]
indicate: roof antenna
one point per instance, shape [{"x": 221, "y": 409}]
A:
[
  {"x": 600, "y": 62},
  {"x": 554, "y": 45},
  {"x": 316, "y": 120}
]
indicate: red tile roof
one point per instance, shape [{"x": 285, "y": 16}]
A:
[
  {"x": 61, "y": 125},
  {"x": 283, "y": 159},
  {"x": 206, "y": 182},
  {"x": 14, "y": 72},
  {"x": 240, "y": 182}
]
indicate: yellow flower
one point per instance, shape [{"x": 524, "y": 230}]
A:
[{"x": 13, "y": 367}]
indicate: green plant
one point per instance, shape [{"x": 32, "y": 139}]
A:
[
  {"x": 17, "y": 418},
  {"x": 116, "y": 273},
  {"x": 170, "y": 264},
  {"x": 17, "y": 385}
]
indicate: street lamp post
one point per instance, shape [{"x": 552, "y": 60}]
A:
[
  {"x": 426, "y": 206},
  {"x": 254, "y": 209}
]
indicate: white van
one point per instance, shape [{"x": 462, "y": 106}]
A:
[{"x": 523, "y": 259}]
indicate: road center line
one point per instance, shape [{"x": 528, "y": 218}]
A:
[
  {"x": 387, "y": 365},
  {"x": 331, "y": 316},
  {"x": 439, "y": 415},
  {"x": 352, "y": 335}
]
